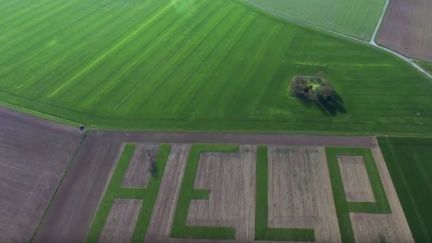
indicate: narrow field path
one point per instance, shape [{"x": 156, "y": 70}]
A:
[{"x": 243, "y": 138}]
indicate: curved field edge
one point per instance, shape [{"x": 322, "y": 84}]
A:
[
  {"x": 427, "y": 66},
  {"x": 357, "y": 19},
  {"x": 257, "y": 99}
]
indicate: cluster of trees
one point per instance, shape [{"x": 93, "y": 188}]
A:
[
  {"x": 317, "y": 90},
  {"x": 312, "y": 88}
]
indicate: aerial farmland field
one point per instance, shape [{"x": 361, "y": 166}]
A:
[
  {"x": 409, "y": 162},
  {"x": 356, "y": 18},
  {"x": 187, "y": 65},
  {"x": 406, "y": 28},
  {"x": 215, "y": 121},
  {"x": 211, "y": 191}
]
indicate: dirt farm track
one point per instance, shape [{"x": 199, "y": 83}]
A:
[{"x": 61, "y": 175}]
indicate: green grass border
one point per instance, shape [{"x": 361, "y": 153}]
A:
[
  {"x": 413, "y": 199},
  {"x": 188, "y": 193},
  {"x": 115, "y": 190},
  {"x": 343, "y": 207},
  {"x": 262, "y": 231}
]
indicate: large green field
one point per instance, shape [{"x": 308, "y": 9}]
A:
[
  {"x": 409, "y": 161},
  {"x": 356, "y": 18},
  {"x": 196, "y": 65}
]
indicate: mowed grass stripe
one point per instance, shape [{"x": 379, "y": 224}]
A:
[
  {"x": 112, "y": 39},
  {"x": 156, "y": 15},
  {"x": 110, "y": 68},
  {"x": 259, "y": 91},
  {"x": 129, "y": 57},
  {"x": 24, "y": 10},
  {"x": 241, "y": 90},
  {"x": 187, "y": 52},
  {"x": 40, "y": 46},
  {"x": 233, "y": 62},
  {"x": 237, "y": 89},
  {"x": 195, "y": 62},
  {"x": 149, "y": 51},
  {"x": 75, "y": 44},
  {"x": 176, "y": 60},
  {"x": 33, "y": 23},
  {"x": 150, "y": 64},
  {"x": 191, "y": 96},
  {"x": 191, "y": 85}
]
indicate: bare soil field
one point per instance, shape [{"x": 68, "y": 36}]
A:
[
  {"x": 355, "y": 179},
  {"x": 300, "y": 193},
  {"x": 77, "y": 199},
  {"x": 163, "y": 213},
  {"x": 230, "y": 178},
  {"x": 138, "y": 173},
  {"x": 406, "y": 28},
  {"x": 382, "y": 227},
  {"x": 121, "y": 221},
  {"x": 34, "y": 155}
]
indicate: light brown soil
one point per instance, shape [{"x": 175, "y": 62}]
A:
[
  {"x": 230, "y": 177},
  {"x": 406, "y": 28},
  {"x": 138, "y": 173},
  {"x": 34, "y": 156},
  {"x": 378, "y": 227},
  {"x": 121, "y": 221},
  {"x": 355, "y": 179},
  {"x": 163, "y": 212},
  {"x": 300, "y": 193}
]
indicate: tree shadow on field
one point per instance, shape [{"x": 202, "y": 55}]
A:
[{"x": 331, "y": 106}]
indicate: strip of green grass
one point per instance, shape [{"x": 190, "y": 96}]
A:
[
  {"x": 343, "y": 207},
  {"x": 188, "y": 193},
  {"x": 409, "y": 161},
  {"x": 196, "y": 65},
  {"x": 115, "y": 190},
  {"x": 262, "y": 231}
]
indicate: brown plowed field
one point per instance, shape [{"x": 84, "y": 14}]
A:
[
  {"x": 121, "y": 221},
  {"x": 77, "y": 199},
  {"x": 300, "y": 192},
  {"x": 138, "y": 173},
  {"x": 230, "y": 178},
  {"x": 34, "y": 155},
  {"x": 163, "y": 213},
  {"x": 406, "y": 28},
  {"x": 355, "y": 179},
  {"x": 382, "y": 227}
]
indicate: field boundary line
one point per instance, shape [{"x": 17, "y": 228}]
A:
[
  {"x": 113, "y": 48},
  {"x": 371, "y": 42},
  {"x": 71, "y": 161},
  {"x": 378, "y": 26},
  {"x": 38, "y": 114}
]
